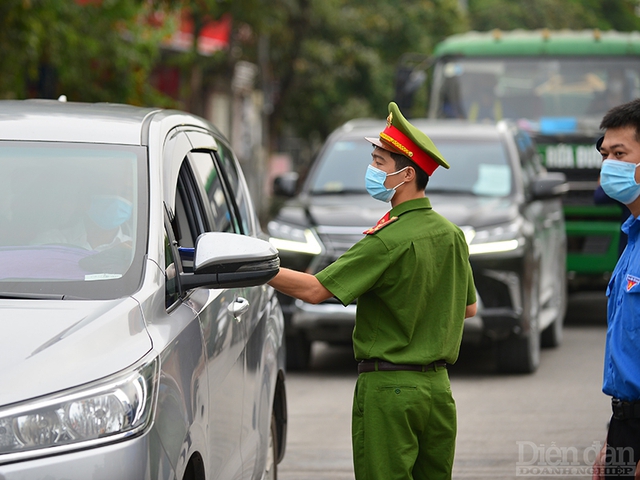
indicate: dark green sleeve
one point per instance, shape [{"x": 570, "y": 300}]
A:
[{"x": 356, "y": 271}]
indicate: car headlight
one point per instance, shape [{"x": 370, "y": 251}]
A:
[
  {"x": 105, "y": 411},
  {"x": 495, "y": 239},
  {"x": 293, "y": 239}
]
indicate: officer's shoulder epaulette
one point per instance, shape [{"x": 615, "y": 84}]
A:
[{"x": 383, "y": 222}]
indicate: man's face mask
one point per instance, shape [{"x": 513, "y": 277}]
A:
[
  {"x": 618, "y": 180},
  {"x": 109, "y": 211},
  {"x": 374, "y": 181}
]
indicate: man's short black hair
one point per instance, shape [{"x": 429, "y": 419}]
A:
[
  {"x": 422, "y": 179},
  {"x": 625, "y": 115}
]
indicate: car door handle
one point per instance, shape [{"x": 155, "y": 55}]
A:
[{"x": 238, "y": 307}]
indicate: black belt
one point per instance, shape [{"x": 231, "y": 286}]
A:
[
  {"x": 382, "y": 366},
  {"x": 623, "y": 410}
]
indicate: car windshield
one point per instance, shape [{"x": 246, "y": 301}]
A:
[
  {"x": 538, "y": 89},
  {"x": 478, "y": 167},
  {"x": 72, "y": 220}
]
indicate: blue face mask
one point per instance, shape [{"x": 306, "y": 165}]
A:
[
  {"x": 618, "y": 180},
  {"x": 109, "y": 211},
  {"x": 374, "y": 181}
]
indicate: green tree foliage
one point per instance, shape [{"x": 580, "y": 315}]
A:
[
  {"x": 89, "y": 51},
  {"x": 335, "y": 59},
  {"x": 553, "y": 14}
]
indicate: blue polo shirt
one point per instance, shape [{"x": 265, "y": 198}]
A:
[{"x": 622, "y": 350}]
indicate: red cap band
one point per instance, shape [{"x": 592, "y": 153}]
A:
[{"x": 405, "y": 145}]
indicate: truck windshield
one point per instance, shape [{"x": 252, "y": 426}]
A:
[
  {"x": 554, "y": 93},
  {"x": 72, "y": 219}
]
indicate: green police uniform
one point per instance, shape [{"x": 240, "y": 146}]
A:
[{"x": 412, "y": 280}]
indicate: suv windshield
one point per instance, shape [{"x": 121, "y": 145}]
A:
[
  {"x": 478, "y": 167},
  {"x": 533, "y": 88},
  {"x": 72, "y": 220}
]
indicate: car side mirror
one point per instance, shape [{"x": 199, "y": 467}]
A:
[
  {"x": 230, "y": 260},
  {"x": 549, "y": 184},
  {"x": 286, "y": 184}
]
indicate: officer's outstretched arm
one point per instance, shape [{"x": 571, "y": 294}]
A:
[
  {"x": 300, "y": 285},
  {"x": 471, "y": 310}
]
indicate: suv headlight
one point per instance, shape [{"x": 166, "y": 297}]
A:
[
  {"x": 495, "y": 239},
  {"x": 293, "y": 239},
  {"x": 105, "y": 411}
]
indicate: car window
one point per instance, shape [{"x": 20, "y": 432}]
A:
[
  {"x": 222, "y": 217},
  {"x": 72, "y": 218},
  {"x": 478, "y": 167},
  {"x": 239, "y": 188},
  {"x": 342, "y": 168},
  {"x": 529, "y": 160}
]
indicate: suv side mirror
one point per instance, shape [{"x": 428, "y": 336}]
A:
[
  {"x": 230, "y": 260},
  {"x": 286, "y": 184},
  {"x": 549, "y": 184}
]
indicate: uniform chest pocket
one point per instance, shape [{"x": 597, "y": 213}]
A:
[
  {"x": 629, "y": 305},
  {"x": 631, "y": 284}
]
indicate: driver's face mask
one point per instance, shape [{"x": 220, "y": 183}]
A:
[{"x": 109, "y": 211}]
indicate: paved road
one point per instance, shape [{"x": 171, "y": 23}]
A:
[{"x": 549, "y": 422}]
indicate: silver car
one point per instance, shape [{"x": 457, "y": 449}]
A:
[{"x": 138, "y": 337}]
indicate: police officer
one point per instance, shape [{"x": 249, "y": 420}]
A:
[
  {"x": 414, "y": 285},
  {"x": 620, "y": 180}
]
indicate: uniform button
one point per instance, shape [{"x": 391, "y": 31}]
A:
[{"x": 397, "y": 391}]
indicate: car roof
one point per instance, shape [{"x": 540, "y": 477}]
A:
[
  {"x": 462, "y": 129},
  {"x": 52, "y": 120}
]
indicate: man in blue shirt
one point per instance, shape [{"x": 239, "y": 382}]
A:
[{"x": 620, "y": 179}]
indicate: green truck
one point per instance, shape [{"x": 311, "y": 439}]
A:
[{"x": 557, "y": 85}]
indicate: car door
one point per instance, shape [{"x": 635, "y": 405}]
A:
[
  {"x": 259, "y": 377},
  {"x": 230, "y": 208},
  {"x": 223, "y": 335},
  {"x": 549, "y": 227}
]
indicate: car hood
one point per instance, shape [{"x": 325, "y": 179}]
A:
[
  {"x": 47, "y": 346},
  {"x": 362, "y": 211}
]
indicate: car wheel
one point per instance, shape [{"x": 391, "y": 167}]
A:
[
  {"x": 298, "y": 351},
  {"x": 552, "y": 335},
  {"x": 520, "y": 353},
  {"x": 271, "y": 468}
]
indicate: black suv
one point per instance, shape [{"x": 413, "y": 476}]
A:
[{"x": 497, "y": 191}]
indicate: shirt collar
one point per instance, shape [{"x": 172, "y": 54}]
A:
[
  {"x": 631, "y": 223},
  {"x": 409, "y": 205}
]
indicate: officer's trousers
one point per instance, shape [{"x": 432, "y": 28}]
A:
[
  {"x": 403, "y": 426},
  {"x": 623, "y": 448}
]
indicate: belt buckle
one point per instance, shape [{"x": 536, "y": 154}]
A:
[{"x": 619, "y": 408}]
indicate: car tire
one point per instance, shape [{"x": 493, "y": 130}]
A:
[
  {"x": 520, "y": 353},
  {"x": 271, "y": 467},
  {"x": 298, "y": 351},
  {"x": 551, "y": 336}
]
